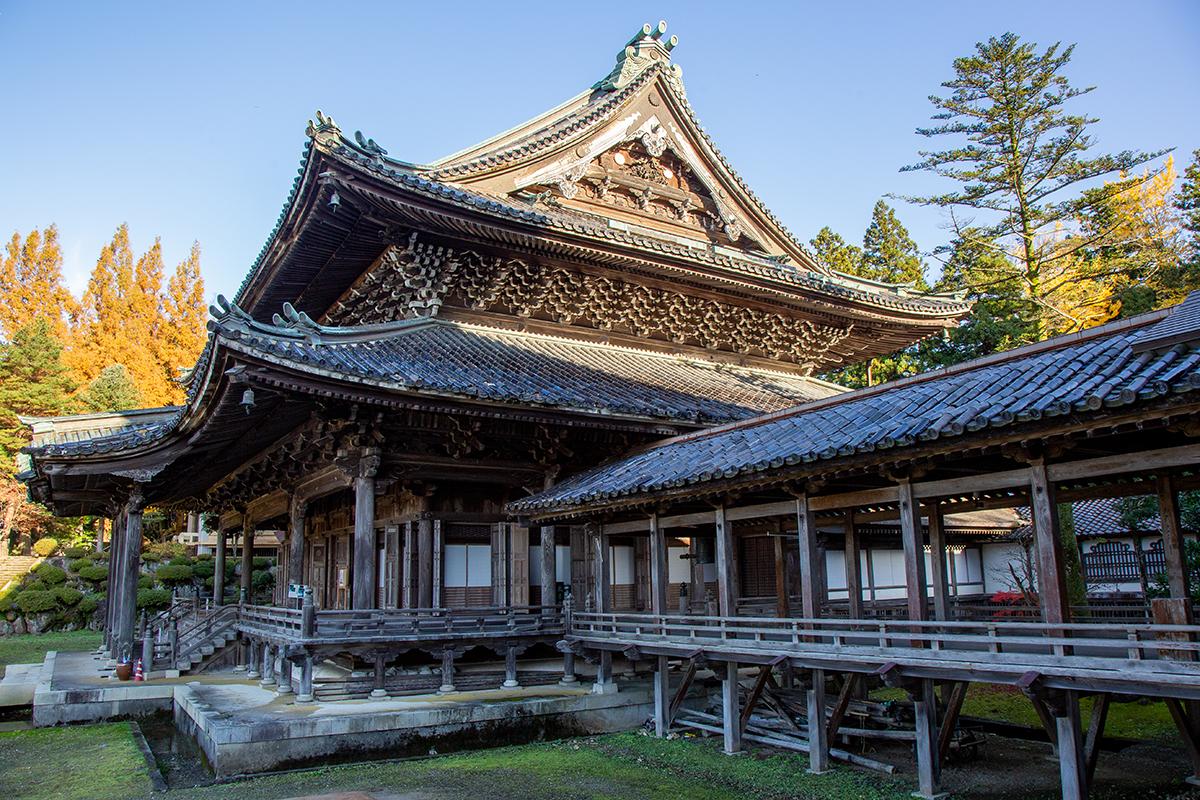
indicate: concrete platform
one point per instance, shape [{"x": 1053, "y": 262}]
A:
[{"x": 18, "y": 684}]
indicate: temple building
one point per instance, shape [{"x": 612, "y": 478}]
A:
[{"x": 418, "y": 345}]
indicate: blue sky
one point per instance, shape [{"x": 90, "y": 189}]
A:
[{"x": 187, "y": 120}]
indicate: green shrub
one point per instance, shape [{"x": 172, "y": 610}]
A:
[
  {"x": 34, "y": 585},
  {"x": 204, "y": 556},
  {"x": 36, "y": 602},
  {"x": 8, "y": 602},
  {"x": 94, "y": 573},
  {"x": 77, "y": 564},
  {"x": 67, "y": 595},
  {"x": 145, "y": 581},
  {"x": 77, "y": 551},
  {"x": 88, "y": 605},
  {"x": 51, "y": 574},
  {"x": 263, "y": 563},
  {"x": 182, "y": 561},
  {"x": 167, "y": 550},
  {"x": 46, "y": 546},
  {"x": 262, "y": 580},
  {"x": 204, "y": 569},
  {"x": 153, "y": 599},
  {"x": 151, "y": 558},
  {"x": 174, "y": 574}
]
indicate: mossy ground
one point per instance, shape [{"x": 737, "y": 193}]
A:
[
  {"x": 92, "y": 762},
  {"x": 32, "y": 647}
]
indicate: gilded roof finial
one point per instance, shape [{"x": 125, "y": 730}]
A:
[{"x": 643, "y": 49}]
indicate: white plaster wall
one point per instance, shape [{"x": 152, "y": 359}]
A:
[{"x": 679, "y": 569}]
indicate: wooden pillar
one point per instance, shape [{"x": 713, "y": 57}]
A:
[
  {"x": 731, "y": 718},
  {"x": 439, "y": 572},
  {"x": 929, "y": 774},
  {"x": 283, "y": 678},
  {"x": 409, "y": 598},
  {"x": 1072, "y": 769},
  {"x": 549, "y": 566},
  {"x": 1172, "y": 537},
  {"x": 818, "y": 737},
  {"x": 580, "y": 559},
  {"x": 937, "y": 562},
  {"x": 447, "y": 672},
  {"x": 128, "y": 580},
  {"x": 100, "y": 525},
  {"x": 510, "y": 667},
  {"x": 379, "y": 674},
  {"x": 1056, "y": 605},
  {"x": 518, "y": 570},
  {"x": 601, "y": 556},
  {"x": 219, "y": 566},
  {"x": 914, "y": 553},
  {"x": 853, "y": 568},
  {"x": 295, "y": 571},
  {"x": 267, "y": 670},
  {"x": 363, "y": 582},
  {"x": 726, "y": 597},
  {"x": 783, "y": 605},
  {"x": 247, "y": 586},
  {"x": 662, "y": 696},
  {"x": 305, "y": 695},
  {"x": 658, "y": 567},
  {"x": 425, "y": 561},
  {"x": 115, "y": 556},
  {"x": 806, "y": 538},
  {"x": 253, "y": 659}
]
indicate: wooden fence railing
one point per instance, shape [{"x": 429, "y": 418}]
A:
[{"x": 401, "y": 624}]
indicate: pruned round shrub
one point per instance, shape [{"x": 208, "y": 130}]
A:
[
  {"x": 174, "y": 574},
  {"x": 77, "y": 564},
  {"x": 151, "y": 558},
  {"x": 67, "y": 595},
  {"x": 204, "y": 569},
  {"x": 46, "y": 546},
  {"x": 262, "y": 562},
  {"x": 93, "y": 573},
  {"x": 182, "y": 561},
  {"x": 262, "y": 580},
  {"x": 88, "y": 605},
  {"x": 36, "y": 602},
  {"x": 8, "y": 602},
  {"x": 204, "y": 556},
  {"x": 51, "y": 574},
  {"x": 145, "y": 581},
  {"x": 153, "y": 598},
  {"x": 77, "y": 551}
]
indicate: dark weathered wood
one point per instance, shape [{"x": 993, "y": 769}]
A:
[
  {"x": 219, "y": 567},
  {"x": 1188, "y": 733},
  {"x": 439, "y": 570},
  {"x": 363, "y": 594},
  {"x": 853, "y": 563},
  {"x": 914, "y": 552},
  {"x": 658, "y": 567},
  {"x": 760, "y": 683},
  {"x": 127, "y": 580},
  {"x": 662, "y": 702},
  {"x": 1056, "y": 605},
  {"x": 730, "y": 719},
  {"x": 1071, "y": 767},
  {"x": 602, "y": 569},
  {"x": 549, "y": 564},
  {"x": 295, "y": 570},
  {"x": 782, "y": 601},
  {"x": 845, "y": 695},
  {"x": 937, "y": 562},
  {"x": 1095, "y": 731},
  {"x": 929, "y": 772},
  {"x": 726, "y": 597},
  {"x": 953, "y": 706},
  {"x": 408, "y": 579},
  {"x": 818, "y": 740},
  {"x": 425, "y": 561},
  {"x": 247, "y": 586},
  {"x": 1172, "y": 536},
  {"x": 685, "y": 683},
  {"x": 806, "y": 539}
]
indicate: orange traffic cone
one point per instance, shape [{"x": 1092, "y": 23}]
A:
[{"x": 138, "y": 675}]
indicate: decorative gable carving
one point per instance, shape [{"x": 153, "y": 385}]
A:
[{"x": 418, "y": 279}]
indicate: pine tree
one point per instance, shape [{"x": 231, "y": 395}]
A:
[
  {"x": 31, "y": 284},
  {"x": 833, "y": 251},
  {"x": 888, "y": 253},
  {"x": 112, "y": 390},
  {"x": 1022, "y": 163},
  {"x": 33, "y": 381},
  {"x": 1187, "y": 202}
]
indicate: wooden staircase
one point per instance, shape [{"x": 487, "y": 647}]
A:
[{"x": 190, "y": 642}]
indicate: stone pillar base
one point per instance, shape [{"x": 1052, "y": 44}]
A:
[
  {"x": 240, "y": 668},
  {"x": 252, "y": 674},
  {"x": 304, "y": 698},
  {"x": 568, "y": 680},
  {"x": 604, "y": 688},
  {"x": 511, "y": 685},
  {"x": 283, "y": 689},
  {"x": 267, "y": 683},
  {"x": 377, "y": 694},
  {"x": 446, "y": 688}
]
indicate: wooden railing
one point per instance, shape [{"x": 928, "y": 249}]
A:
[
  {"x": 1172, "y": 648},
  {"x": 400, "y": 624}
]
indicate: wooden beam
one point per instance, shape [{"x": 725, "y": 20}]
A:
[
  {"x": 818, "y": 740},
  {"x": 729, "y": 709},
  {"x": 853, "y": 564},
  {"x": 1071, "y": 768},
  {"x": 843, "y": 702},
  {"x": 1187, "y": 732},
  {"x": 658, "y": 567},
  {"x": 662, "y": 687},
  {"x": 950, "y": 718},
  {"x": 929, "y": 771},
  {"x": 782, "y": 600},
  {"x": 1095, "y": 732},
  {"x": 1172, "y": 537},
  {"x": 914, "y": 552},
  {"x": 726, "y": 598},
  {"x": 760, "y": 683},
  {"x": 806, "y": 537},
  {"x": 1056, "y": 605},
  {"x": 937, "y": 562},
  {"x": 1127, "y": 463},
  {"x": 689, "y": 674}
]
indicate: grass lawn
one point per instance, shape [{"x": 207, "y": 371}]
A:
[
  {"x": 100, "y": 762},
  {"x": 29, "y": 648},
  {"x": 92, "y": 762},
  {"x": 1139, "y": 719}
]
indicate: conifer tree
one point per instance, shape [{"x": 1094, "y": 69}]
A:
[
  {"x": 1022, "y": 164},
  {"x": 33, "y": 381},
  {"x": 1187, "y": 201},
  {"x": 834, "y": 252},
  {"x": 112, "y": 390},
  {"x": 31, "y": 284},
  {"x": 888, "y": 253}
]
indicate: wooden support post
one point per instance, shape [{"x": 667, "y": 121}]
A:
[
  {"x": 843, "y": 703},
  {"x": 219, "y": 566},
  {"x": 363, "y": 594},
  {"x": 408, "y": 581},
  {"x": 601, "y": 559},
  {"x": 447, "y": 672},
  {"x": 128, "y": 580},
  {"x": 731, "y": 721},
  {"x": 510, "y": 667},
  {"x": 253, "y": 659},
  {"x": 425, "y": 561},
  {"x": 246, "y": 592},
  {"x": 689, "y": 674},
  {"x": 283, "y": 678},
  {"x": 1056, "y": 605},
  {"x": 439, "y": 568},
  {"x": 662, "y": 690},
  {"x": 937, "y": 562},
  {"x": 549, "y": 566},
  {"x": 726, "y": 597},
  {"x": 1172, "y": 538},
  {"x": 929, "y": 775},
  {"x": 1072, "y": 769},
  {"x": 658, "y": 568},
  {"x": 853, "y": 568},
  {"x": 102, "y": 523},
  {"x": 295, "y": 570},
  {"x": 1095, "y": 732},
  {"x": 1189, "y": 734},
  {"x": 914, "y": 554},
  {"x": 818, "y": 740},
  {"x": 379, "y": 689},
  {"x": 267, "y": 669},
  {"x": 760, "y": 683},
  {"x": 116, "y": 557},
  {"x": 950, "y": 718},
  {"x": 305, "y": 695},
  {"x": 782, "y": 600},
  {"x": 806, "y": 538}
]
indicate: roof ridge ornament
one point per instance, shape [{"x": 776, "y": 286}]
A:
[
  {"x": 324, "y": 131},
  {"x": 643, "y": 50}
]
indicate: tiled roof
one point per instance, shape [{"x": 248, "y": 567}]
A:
[
  {"x": 1102, "y": 517},
  {"x": 1182, "y": 326},
  {"x": 1074, "y": 374}
]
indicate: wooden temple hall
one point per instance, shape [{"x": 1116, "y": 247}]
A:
[{"x": 553, "y": 395}]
